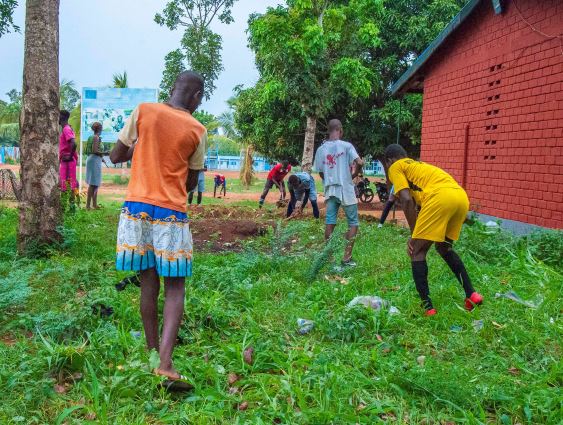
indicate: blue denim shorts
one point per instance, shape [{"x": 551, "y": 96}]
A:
[
  {"x": 200, "y": 183},
  {"x": 333, "y": 205}
]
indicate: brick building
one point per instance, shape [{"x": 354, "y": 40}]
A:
[{"x": 493, "y": 108}]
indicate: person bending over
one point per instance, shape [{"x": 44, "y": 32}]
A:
[
  {"x": 219, "y": 182},
  {"x": 444, "y": 206},
  {"x": 301, "y": 190},
  {"x": 275, "y": 178}
]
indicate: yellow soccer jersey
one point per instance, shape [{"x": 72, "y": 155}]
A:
[{"x": 420, "y": 178}]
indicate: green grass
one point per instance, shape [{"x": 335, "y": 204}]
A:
[{"x": 510, "y": 372}]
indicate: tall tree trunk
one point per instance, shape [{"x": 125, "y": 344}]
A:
[
  {"x": 309, "y": 144},
  {"x": 40, "y": 206},
  {"x": 247, "y": 170}
]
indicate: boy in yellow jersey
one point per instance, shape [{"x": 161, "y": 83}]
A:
[{"x": 444, "y": 206}]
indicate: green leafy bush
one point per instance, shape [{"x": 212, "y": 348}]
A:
[
  {"x": 120, "y": 180},
  {"x": 548, "y": 246},
  {"x": 14, "y": 288}
]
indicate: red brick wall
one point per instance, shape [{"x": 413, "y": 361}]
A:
[{"x": 505, "y": 81}]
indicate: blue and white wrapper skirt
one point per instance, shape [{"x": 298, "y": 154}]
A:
[{"x": 149, "y": 236}]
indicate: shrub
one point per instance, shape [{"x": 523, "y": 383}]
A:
[
  {"x": 15, "y": 288},
  {"x": 547, "y": 245},
  {"x": 120, "y": 180}
]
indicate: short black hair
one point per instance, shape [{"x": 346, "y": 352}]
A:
[
  {"x": 65, "y": 115},
  {"x": 334, "y": 125},
  {"x": 285, "y": 163},
  {"x": 293, "y": 180},
  {"x": 395, "y": 151}
]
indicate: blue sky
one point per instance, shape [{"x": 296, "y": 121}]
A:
[{"x": 101, "y": 37}]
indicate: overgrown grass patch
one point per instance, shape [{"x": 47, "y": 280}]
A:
[{"x": 62, "y": 363}]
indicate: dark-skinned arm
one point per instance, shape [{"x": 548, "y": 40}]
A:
[
  {"x": 191, "y": 182},
  {"x": 73, "y": 144},
  {"x": 358, "y": 164},
  {"x": 121, "y": 152},
  {"x": 409, "y": 207}
]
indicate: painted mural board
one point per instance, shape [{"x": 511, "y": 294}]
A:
[{"x": 111, "y": 107}]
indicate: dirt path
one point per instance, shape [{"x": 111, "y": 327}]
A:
[{"x": 116, "y": 193}]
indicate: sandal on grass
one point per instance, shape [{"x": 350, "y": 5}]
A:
[
  {"x": 174, "y": 381},
  {"x": 173, "y": 376}
]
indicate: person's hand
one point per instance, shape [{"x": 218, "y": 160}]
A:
[
  {"x": 410, "y": 247},
  {"x": 298, "y": 210}
]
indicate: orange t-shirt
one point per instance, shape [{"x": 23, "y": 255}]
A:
[{"x": 169, "y": 142}]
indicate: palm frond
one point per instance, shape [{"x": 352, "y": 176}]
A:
[{"x": 120, "y": 81}]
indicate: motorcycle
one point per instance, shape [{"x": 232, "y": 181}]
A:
[
  {"x": 363, "y": 191},
  {"x": 382, "y": 191}
]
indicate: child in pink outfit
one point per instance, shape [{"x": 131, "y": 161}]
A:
[{"x": 67, "y": 154}]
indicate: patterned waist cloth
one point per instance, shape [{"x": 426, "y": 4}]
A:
[{"x": 149, "y": 236}]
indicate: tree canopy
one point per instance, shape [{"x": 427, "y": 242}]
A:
[
  {"x": 69, "y": 96},
  {"x": 6, "y": 16},
  {"x": 200, "y": 48},
  {"x": 325, "y": 59}
]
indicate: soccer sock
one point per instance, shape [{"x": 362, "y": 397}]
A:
[
  {"x": 458, "y": 268},
  {"x": 420, "y": 276},
  {"x": 190, "y": 197},
  {"x": 199, "y": 196}
]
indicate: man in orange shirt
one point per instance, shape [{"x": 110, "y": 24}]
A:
[{"x": 166, "y": 146}]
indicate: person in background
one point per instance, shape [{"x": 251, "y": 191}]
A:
[
  {"x": 388, "y": 206},
  {"x": 334, "y": 161},
  {"x": 220, "y": 182},
  {"x": 67, "y": 157},
  {"x": 444, "y": 207},
  {"x": 391, "y": 203},
  {"x": 301, "y": 190},
  {"x": 95, "y": 151},
  {"x": 200, "y": 188},
  {"x": 167, "y": 145},
  {"x": 275, "y": 178}
]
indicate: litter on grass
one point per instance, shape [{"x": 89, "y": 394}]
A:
[
  {"x": 492, "y": 227},
  {"x": 305, "y": 326},
  {"x": 513, "y": 296},
  {"x": 373, "y": 302},
  {"x": 456, "y": 329},
  {"x": 478, "y": 325}
]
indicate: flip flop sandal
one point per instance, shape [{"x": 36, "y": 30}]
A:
[
  {"x": 160, "y": 372},
  {"x": 172, "y": 384},
  {"x": 176, "y": 386}
]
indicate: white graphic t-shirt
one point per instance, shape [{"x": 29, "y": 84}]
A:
[{"x": 334, "y": 159}]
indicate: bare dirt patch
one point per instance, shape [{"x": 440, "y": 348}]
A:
[{"x": 219, "y": 229}]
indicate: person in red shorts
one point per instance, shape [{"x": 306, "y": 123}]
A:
[{"x": 275, "y": 178}]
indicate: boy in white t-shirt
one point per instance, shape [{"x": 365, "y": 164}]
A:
[{"x": 334, "y": 160}]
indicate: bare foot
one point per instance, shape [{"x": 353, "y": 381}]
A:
[{"x": 169, "y": 373}]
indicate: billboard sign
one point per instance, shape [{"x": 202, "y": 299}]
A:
[{"x": 111, "y": 107}]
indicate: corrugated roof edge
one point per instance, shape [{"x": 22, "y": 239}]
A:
[{"x": 438, "y": 41}]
